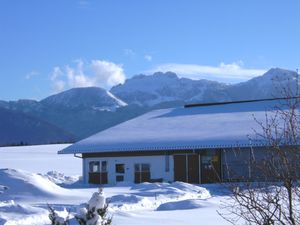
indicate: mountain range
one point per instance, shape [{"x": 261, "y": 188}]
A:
[
  {"x": 79, "y": 112},
  {"x": 168, "y": 87}
]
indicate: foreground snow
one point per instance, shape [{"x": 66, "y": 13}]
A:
[{"x": 24, "y": 194}]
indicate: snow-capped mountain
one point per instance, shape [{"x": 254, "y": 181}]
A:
[
  {"x": 269, "y": 85},
  {"x": 89, "y": 97},
  {"x": 168, "y": 87},
  {"x": 160, "y": 88},
  {"x": 85, "y": 111}
]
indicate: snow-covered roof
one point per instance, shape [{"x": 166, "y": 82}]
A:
[{"x": 199, "y": 127}]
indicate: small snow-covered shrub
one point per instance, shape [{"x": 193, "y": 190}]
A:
[
  {"x": 95, "y": 211},
  {"x": 56, "y": 219},
  {"x": 92, "y": 213}
]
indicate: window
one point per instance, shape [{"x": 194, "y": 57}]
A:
[
  {"x": 98, "y": 172},
  {"x": 120, "y": 168},
  {"x": 142, "y": 167},
  {"x": 145, "y": 167},
  {"x": 103, "y": 166},
  {"x": 137, "y": 167},
  {"x": 119, "y": 178},
  {"x": 142, "y": 172},
  {"x": 94, "y": 167}
]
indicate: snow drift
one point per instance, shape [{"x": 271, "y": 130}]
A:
[
  {"x": 22, "y": 185},
  {"x": 180, "y": 205}
]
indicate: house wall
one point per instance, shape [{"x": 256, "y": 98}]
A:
[
  {"x": 157, "y": 167},
  {"x": 84, "y": 169},
  {"x": 236, "y": 164},
  {"x": 242, "y": 164}
]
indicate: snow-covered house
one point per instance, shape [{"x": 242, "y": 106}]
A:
[{"x": 195, "y": 143}]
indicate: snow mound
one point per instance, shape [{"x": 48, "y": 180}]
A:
[
  {"x": 191, "y": 188},
  {"x": 12, "y": 207},
  {"x": 60, "y": 178},
  {"x": 124, "y": 198},
  {"x": 180, "y": 205},
  {"x": 176, "y": 188},
  {"x": 3, "y": 189},
  {"x": 155, "y": 195},
  {"x": 12, "y": 213},
  {"x": 22, "y": 185},
  {"x": 128, "y": 202},
  {"x": 2, "y": 221}
]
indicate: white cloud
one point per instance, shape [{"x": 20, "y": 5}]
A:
[
  {"x": 107, "y": 72},
  {"x": 56, "y": 77},
  {"x": 31, "y": 75},
  {"x": 95, "y": 73},
  {"x": 148, "y": 58},
  {"x": 76, "y": 76},
  {"x": 57, "y": 72},
  {"x": 231, "y": 73},
  {"x": 58, "y": 85}
]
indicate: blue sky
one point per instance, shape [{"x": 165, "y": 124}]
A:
[{"x": 50, "y": 46}]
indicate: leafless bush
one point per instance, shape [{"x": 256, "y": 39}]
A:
[{"x": 272, "y": 195}]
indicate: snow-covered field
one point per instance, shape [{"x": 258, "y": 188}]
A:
[
  {"x": 27, "y": 186},
  {"x": 40, "y": 159}
]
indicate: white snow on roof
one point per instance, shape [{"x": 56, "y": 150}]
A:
[{"x": 202, "y": 127}]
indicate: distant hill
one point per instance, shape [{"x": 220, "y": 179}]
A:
[
  {"x": 79, "y": 111},
  {"x": 82, "y": 112},
  {"x": 87, "y": 98},
  {"x": 17, "y": 128}
]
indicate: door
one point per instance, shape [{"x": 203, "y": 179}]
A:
[
  {"x": 210, "y": 166},
  {"x": 193, "y": 169},
  {"x": 180, "y": 168},
  {"x": 186, "y": 168}
]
